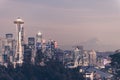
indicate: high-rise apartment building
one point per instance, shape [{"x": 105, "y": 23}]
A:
[
  {"x": 39, "y": 41},
  {"x": 7, "y": 49},
  {"x": 85, "y": 58},
  {"x": 31, "y": 44},
  {"x": 92, "y": 58}
]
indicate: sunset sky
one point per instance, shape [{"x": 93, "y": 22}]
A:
[{"x": 69, "y": 22}]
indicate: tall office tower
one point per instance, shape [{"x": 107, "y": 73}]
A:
[
  {"x": 85, "y": 58},
  {"x": 92, "y": 57},
  {"x": 8, "y": 48},
  {"x": 77, "y": 57},
  {"x": 2, "y": 55},
  {"x": 39, "y": 41},
  {"x": 22, "y": 36},
  {"x": 10, "y": 42},
  {"x": 50, "y": 49},
  {"x": 20, "y": 40},
  {"x": 31, "y": 44}
]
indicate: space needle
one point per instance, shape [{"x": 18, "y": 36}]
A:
[{"x": 20, "y": 40}]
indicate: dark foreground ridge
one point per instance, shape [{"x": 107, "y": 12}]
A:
[{"x": 53, "y": 70}]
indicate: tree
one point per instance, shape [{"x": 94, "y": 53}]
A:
[
  {"x": 115, "y": 63},
  {"x": 53, "y": 70}
]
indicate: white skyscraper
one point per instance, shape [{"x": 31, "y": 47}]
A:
[
  {"x": 39, "y": 40},
  {"x": 39, "y": 37},
  {"x": 77, "y": 57},
  {"x": 85, "y": 58},
  {"x": 92, "y": 57}
]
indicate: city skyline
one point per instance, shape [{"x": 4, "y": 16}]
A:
[{"x": 66, "y": 21}]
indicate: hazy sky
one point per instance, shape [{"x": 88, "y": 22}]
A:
[{"x": 69, "y": 22}]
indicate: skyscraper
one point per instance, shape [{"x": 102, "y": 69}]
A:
[
  {"x": 9, "y": 47},
  {"x": 39, "y": 40},
  {"x": 85, "y": 58},
  {"x": 31, "y": 44},
  {"x": 77, "y": 56},
  {"x": 92, "y": 57}
]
